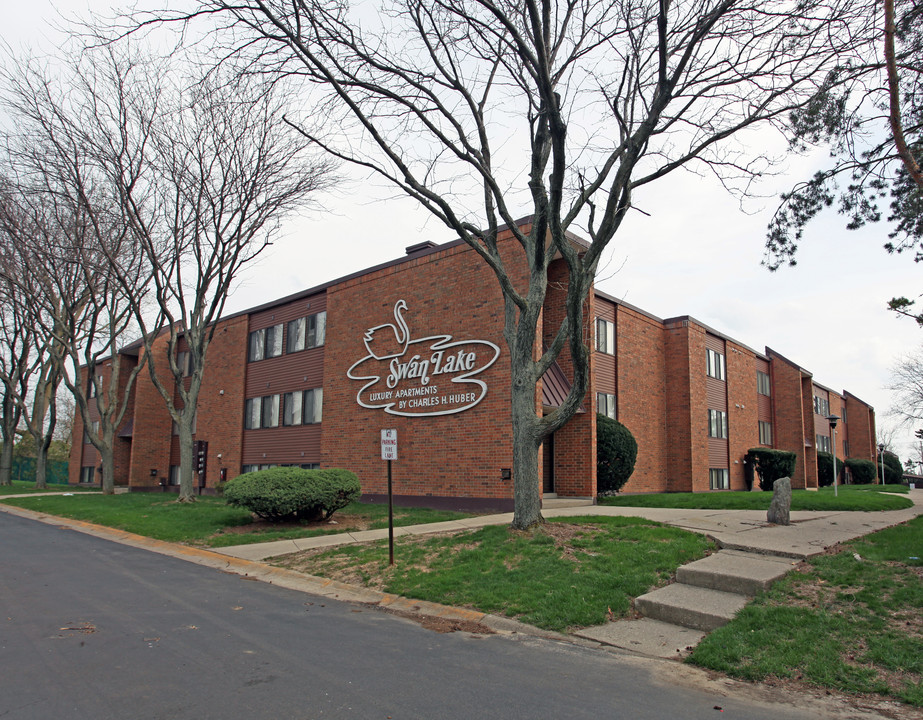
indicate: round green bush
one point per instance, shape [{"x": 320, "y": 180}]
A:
[
  {"x": 289, "y": 493},
  {"x": 616, "y": 452},
  {"x": 770, "y": 465},
  {"x": 894, "y": 471},
  {"x": 825, "y": 468},
  {"x": 862, "y": 471}
]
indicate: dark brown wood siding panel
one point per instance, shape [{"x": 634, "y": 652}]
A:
[
  {"x": 821, "y": 424},
  {"x": 298, "y": 371},
  {"x": 716, "y": 394},
  {"x": 605, "y": 365},
  {"x": 292, "y": 311},
  {"x": 298, "y": 444},
  {"x": 713, "y": 342},
  {"x": 717, "y": 453},
  {"x": 174, "y": 450}
]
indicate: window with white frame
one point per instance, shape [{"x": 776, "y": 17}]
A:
[
  {"x": 823, "y": 443},
  {"x": 291, "y": 408},
  {"x": 714, "y": 364},
  {"x": 821, "y": 406},
  {"x": 717, "y": 424},
  {"x": 270, "y": 414},
  {"x": 762, "y": 383},
  {"x": 313, "y": 406},
  {"x": 173, "y": 479},
  {"x": 605, "y": 336},
  {"x": 87, "y": 474},
  {"x": 605, "y": 404},
  {"x": 307, "y": 332},
  {"x": 765, "y": 433},
  {"x": 718, "y": 479}
]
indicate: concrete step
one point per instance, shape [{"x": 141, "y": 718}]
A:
[
  {"x": 735, "y": 572},
  {"x": 692, "y": 607},
  {"x": 646, "y": 636}
]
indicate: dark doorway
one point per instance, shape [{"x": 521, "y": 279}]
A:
[{"x": 548, "y": 464}]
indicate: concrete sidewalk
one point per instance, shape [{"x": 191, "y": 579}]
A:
[{"x": 809, "y": 534}]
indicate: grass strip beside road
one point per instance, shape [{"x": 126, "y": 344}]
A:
[
  {"x": 210, "y": 521},
  {"x": 848, "y": 498},
  {"x": 21, "y": 487},
  {"x": 565, "y": 573},
  {"x": 850, "y": 621}
]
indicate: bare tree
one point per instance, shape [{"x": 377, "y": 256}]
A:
[
  {"x": 59, "y": 221},
  {"x": 479, "y": 109},
  {"x": 15, "y": 351},
  {"x": 202, "y": 170},
  {"x": 907, "y": 385}
]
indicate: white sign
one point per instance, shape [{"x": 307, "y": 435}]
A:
[
  {"x": 433, "y": 375},
  {"x": 389, "y": 444}
]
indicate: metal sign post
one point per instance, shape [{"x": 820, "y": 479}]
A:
[{"x": 389, "y": 453}]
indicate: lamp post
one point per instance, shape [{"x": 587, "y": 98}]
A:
[
  {"x": 881, "y": 460},
  {"x": 832, "y": 419}
]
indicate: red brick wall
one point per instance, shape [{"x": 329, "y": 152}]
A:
[
  {"x": 153, "y": 431},
  {"x": 220, "y": 409},
  {"x": 449, "y": 292},
  {"x": 686, "y": 405},
  {"x": 642, "y": 396},
  {"x": 788, "y": 413},
  {"x": 574, "y": 445},
  {"x": 743, "y": 430},
  {"x": 860, "y": 429}
]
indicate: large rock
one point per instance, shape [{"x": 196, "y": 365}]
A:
[{"x": 781, "y": 505}]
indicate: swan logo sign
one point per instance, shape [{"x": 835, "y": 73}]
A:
[{"x": 413, "y": 377}]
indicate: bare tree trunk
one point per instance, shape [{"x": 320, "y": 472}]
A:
[
  {"x": 107, "y": 459},
  {"x": 186, "y": 469},
  {"x": 42, "y": 444},
  {"x": 6, "y": 464},
  {"x": 526, "y": 489},
  {"x": 894, "y": 116}
]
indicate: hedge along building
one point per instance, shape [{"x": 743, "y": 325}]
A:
[{"x": 417, "y": 345}]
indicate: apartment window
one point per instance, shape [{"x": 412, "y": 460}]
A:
[
  {"x": 715, "y": 364},
  {"x": 270, "y": 414},
  {"x": 174, "y": 475},
  {"x": 717, "y": 424},
  {"x": 605, "y": 404},
  {"x": 87, "y": 474},
  {"x": 307, "y": 332},
  {"x": 252, "y": 414},
  {"x": 846, "y": 448},
  {"x": 256, "y": 345},
  {"x": 718, "y": 479},
  {"x": 605, "y": 336},
  {"x": 184, "y": 362},
  {"x": 843, "y": 415},
  {"x": 313, "y": 406},
  {"x": 823, "y": 443},
  {"x": 86, "y": 435},
  {"x": 765, "y": 433},
  {"x": 291, "y": 408},
  {"x": 821, "y": 406},
  {"x": 310, "y": 466},
  {"x": 762, "y": 383}
]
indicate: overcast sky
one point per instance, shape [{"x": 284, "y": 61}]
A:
[{"x": 697, "y": 253}]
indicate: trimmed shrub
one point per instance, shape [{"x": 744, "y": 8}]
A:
[
  {"x": 862, "y": 471},
  {"x": 770, "y": 465},
  {"x": 894, "y": 471},
  {"x": 616, "y": 452},
  {"x": 288, "y": 493},
  {"x": 825, "y": 468}
]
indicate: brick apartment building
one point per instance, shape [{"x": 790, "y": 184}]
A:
[{"x": 417, "y": 344}]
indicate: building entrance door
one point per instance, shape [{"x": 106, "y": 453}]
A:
[{"x": 548, "y": 464}]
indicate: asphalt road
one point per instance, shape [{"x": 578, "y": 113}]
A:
[{"x": 93, "y": 629}]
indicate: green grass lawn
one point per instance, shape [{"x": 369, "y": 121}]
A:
[
  {"x": 566, "y": 573},
  {"x": 839, "y": 622},
  {"x": 20, "y": 487},
  {"x": 210, "y": 521},
  {"x": 848, "y": 497}
]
